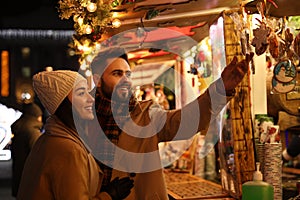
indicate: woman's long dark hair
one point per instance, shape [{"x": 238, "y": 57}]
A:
[
  {"x": 69, "y": 117},
  {"x": 65, "y": 113}
]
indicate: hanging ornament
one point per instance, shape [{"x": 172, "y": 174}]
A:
[
  {"x": 284, "y": 76},
  {"x": 261, "y": 34},
  {"x": 274, "y": 45},
  {"x": 285, "y": 71},
  {"x": 296, "y": 44},
  {"x": 280, "y": 87},
  {"x": 260, "y": 40},
  {"x": 88, "y": 29}
]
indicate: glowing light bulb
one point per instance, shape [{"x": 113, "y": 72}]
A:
[
  {"x": 75, "y": 18},
  {"x": 89, "y": 58},
  {"x": 80, "y": 20},
  {"x": 71, "y": 52},
  {"x": 115, "y": 15},
  {"x": 48, "y": 68},
  {"x": 194, "y": 48},
  {"x": 83, "y": 66},
  {"x": 88, "y": 73},
  {"x": 91, "y": 7},
  {"x": 25, "y": 95},
  {"x": 97, "y": 46},
  {"x": 88, "y": 29},
  {"x": 116, "y": 23}
]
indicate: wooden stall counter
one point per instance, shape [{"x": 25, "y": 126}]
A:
[{"x": 184, "y": 186}]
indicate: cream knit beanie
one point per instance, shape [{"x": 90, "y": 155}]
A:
[{"x": 52, "y": 87}]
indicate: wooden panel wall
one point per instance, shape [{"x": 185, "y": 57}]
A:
[{"x": 240, "y": 119}]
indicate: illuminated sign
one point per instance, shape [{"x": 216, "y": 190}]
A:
[
  {"x": 5, "y": 138},
  {"x": 7, "y": 117}
]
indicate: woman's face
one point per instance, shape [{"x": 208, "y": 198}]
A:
[{"x": 82, "y": 101}]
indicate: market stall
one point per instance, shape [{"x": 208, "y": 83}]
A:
[
  {"x": 176, "y": 49},
  {"x": 169, "y": 32}
]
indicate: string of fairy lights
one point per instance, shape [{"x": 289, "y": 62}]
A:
[{"x": 91, "y": 19}]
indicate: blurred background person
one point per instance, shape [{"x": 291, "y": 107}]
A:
[
  {"x": 26, "y": 130},
  {"x": 292, "y": 151}
]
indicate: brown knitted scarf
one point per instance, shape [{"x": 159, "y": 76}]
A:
[{"x": 110, "y": 114}]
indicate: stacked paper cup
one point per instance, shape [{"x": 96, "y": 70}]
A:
[
  {"x": 260, "y": 151},
  {"x": 272, "y": 167},
  {"x": 268, "y": 152}
]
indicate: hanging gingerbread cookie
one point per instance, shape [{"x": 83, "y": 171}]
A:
[
  {"x": 274, "y": 45},
  {"x": 260, "y": 40},
  {"x": 296, "y": 45}
]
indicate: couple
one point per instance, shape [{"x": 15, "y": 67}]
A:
[{"x": 62, "y": 165}]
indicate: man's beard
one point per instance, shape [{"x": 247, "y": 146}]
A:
[
  {"x": 115, "y": 95},
  {"x": 121, "y": 96}
]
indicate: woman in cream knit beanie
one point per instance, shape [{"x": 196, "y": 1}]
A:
[
  {"x": 52, "y": 87},
  {"x": 60, "y": 165}
]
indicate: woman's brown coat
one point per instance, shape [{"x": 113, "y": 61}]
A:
[{"x": 60, "y": 167}]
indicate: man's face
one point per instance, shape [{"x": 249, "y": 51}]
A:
[{"x": 117, "y": 78}]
